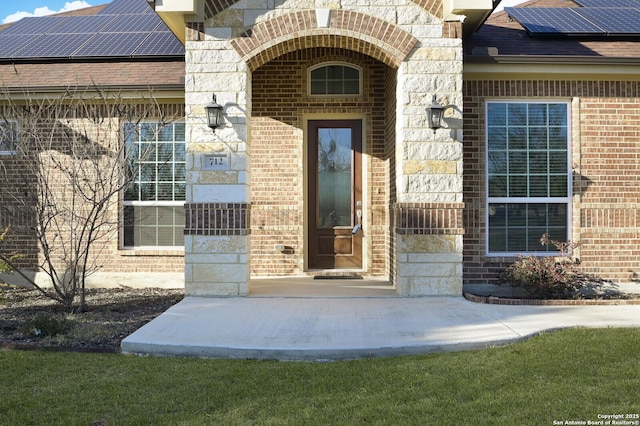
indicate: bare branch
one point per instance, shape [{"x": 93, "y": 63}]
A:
[{"x": 73, "y": 163}]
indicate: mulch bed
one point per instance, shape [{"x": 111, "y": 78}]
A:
[{"x": 26, "y": 317}]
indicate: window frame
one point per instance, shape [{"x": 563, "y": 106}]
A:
[
  {"x": 567, "y": 200},
  {"x": 14, "y": 125},
  {"x": 359, "y": 69},
  {"x": 149, "y": 203}
]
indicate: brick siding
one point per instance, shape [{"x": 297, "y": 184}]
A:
[
  {"x": 606, "y": 161},
  {"x": 387, "y": 251},
  {"x": 429, "y": 218},
  {"x": 23, "y": 240},
  {"x": 280, "y": 101}
]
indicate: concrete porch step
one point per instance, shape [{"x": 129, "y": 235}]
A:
[{"x": 309, "y": 286}]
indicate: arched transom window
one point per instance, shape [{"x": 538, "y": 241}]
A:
[{"x": 335, "y": 79}]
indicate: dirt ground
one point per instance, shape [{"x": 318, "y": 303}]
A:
[{"x": 28, "y": 320}]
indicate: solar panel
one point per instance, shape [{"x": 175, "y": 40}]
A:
[
  {"x": 123, "y": 28},
  {"x": 124, "y": 7},
  {"x": 160, "y": 42},
  {"x": 613, "y": 21},
  {"x": 112, "y": 44},
  {"x": 13, "y": 43},
  {"x": 54, "y": 46},
  {"x": 83, "y": 24},
  {"x": 608, "y": 3},
  {"x": 549, "y": 21},
  {"x": 35, "y": 25},
  {"x": 133, "y": 23}
]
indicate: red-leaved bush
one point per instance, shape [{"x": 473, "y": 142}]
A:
[{"x": 546, "y": 276}]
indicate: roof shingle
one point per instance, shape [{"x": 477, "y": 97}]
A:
[
  {"x": 511, "y": 39},
  {"x": 30, "y": 76}
]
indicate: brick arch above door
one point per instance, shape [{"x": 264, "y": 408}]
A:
[{"x": 347, "y": 29}]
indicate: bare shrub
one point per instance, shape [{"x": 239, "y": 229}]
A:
[{"x": 71, "y": 162}]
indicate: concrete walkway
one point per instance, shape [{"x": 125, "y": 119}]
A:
[{"x": 321, "y": 327}]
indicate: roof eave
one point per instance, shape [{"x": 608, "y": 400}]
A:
[
  {"x": 176, "y": 14},
  {"x": 472, "y": 13},
  {"x": 106, "y": 59},
  {"x": 544, "y": 67},
  {"x": 550, "y": 59},
  {"x": 166, "y": 91}
]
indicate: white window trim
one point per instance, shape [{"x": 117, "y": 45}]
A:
[
  {"x": 15, "y": 123},
  {"x": 127, "y": 203},
  {"x": 335, "y": 95},
  {"x": 555, "y": 200}
]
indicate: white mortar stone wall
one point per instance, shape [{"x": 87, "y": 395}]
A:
[
  {"x": 217, "y": 265},
  {"x": 429, "y": 265}
]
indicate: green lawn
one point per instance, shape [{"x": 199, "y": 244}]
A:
[{"x": 566, "y": 375}]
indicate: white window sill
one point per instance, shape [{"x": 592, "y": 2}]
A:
[{"x": 151, "y": 251}]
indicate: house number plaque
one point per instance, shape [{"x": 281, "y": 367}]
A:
[{"x": 216, "y": 162}]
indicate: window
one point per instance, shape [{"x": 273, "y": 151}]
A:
[
  {"x": 335, "y": 79},
  {"x": 8, "y": 137},
  {"x": 528, "y": 176},
  {"x": 153, "y": 203}
]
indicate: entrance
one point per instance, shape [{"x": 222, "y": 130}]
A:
[{"x": 335, "y": 194}]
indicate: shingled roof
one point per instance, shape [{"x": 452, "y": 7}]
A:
[
  {"x": 503, "y": 37},
  {"x": 117, "y": 74}
]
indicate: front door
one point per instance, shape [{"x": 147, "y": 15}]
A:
[{"x": 335, "y": 194}]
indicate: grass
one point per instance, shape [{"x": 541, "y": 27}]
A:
[{"x": 567, "y": 375}]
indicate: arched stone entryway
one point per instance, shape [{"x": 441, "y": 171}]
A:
[
  {"x": 417, "y": 195},
  {"x": 282, "y": 237}
]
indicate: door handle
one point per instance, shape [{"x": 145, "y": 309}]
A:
[{"x": 358, "y": 226}]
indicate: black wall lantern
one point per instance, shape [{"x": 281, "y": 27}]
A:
[
  {"x": 435, "y": 113},
  {"x": 214, "y": 114}
]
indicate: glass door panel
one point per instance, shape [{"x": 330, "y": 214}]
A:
[{"x": 335, "y": 175}]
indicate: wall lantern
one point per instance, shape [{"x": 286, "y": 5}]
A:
[
  {"x": 214, "y": 114},
  {"x": 435, "y": 113}
]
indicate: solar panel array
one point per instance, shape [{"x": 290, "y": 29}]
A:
[
  {"x": 608, "y": 3},
  {"x": 619, "y": 18},
  {"x": 546, "y": 20},
  {"x": 127, "y": 7},
  {"x": 614, "y": 21},
  {"x": 125, "y": 28}
]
